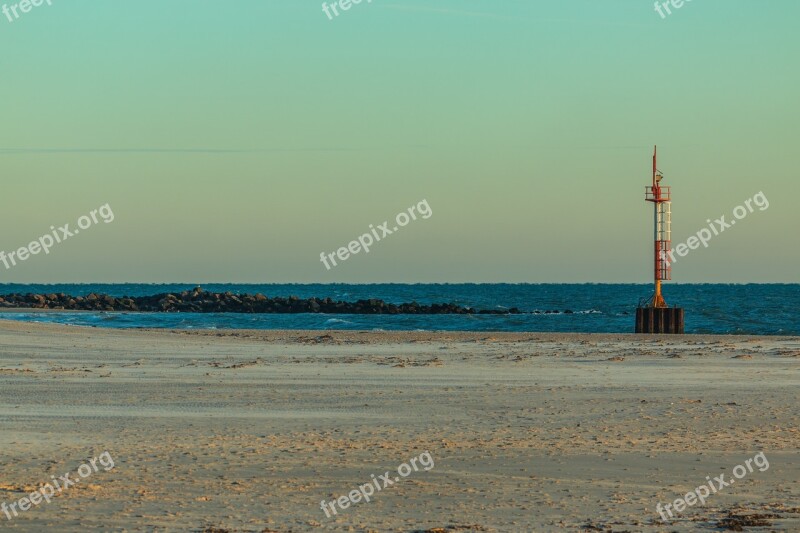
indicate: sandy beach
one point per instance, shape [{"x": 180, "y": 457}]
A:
[{"x": 251, "y": 430}]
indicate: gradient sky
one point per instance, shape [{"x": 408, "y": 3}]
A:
[{"x": 235, "y": 141}]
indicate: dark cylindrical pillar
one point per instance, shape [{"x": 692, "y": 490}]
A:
[{"x": 659, "y": 320}]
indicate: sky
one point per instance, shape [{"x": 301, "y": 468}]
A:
[{"x": 237, "y": 141}]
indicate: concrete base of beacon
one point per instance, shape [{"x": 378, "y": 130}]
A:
[{"x": 659, "y": 320}]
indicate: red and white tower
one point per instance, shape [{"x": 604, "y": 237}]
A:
[
  {"x": 655, "y": 316},
  {"x": 662, "y": 208}
]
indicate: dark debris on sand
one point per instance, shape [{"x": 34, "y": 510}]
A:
[
  {"x": 450, "y": 528},
  {"x": 589, "y": 526},
  {"x": 739, "y": 521}
]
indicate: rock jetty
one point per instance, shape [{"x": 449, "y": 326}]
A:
[{"x": 200, "y": 301}]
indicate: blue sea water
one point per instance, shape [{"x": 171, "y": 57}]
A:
[{"x": 762, "y": 309}]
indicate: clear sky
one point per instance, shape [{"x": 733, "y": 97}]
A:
[{"x": 236, "y": 141}]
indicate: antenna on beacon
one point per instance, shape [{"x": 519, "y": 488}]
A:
[{"x": 655, "y": 316}]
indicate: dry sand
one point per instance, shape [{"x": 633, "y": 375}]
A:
[{"x": 250, "y": 430}]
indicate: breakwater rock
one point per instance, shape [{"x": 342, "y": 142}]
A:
[{"x": 200, "y": 301}]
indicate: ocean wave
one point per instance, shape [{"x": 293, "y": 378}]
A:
[{"x": 337, "y": 321}]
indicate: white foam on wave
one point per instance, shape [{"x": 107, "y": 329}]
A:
[{"x": 337, "y": 321}]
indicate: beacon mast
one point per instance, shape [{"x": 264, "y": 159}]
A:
[{"x": 656, "y": 316}]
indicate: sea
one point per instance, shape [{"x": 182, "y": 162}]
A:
[{"x": 739, "y": 309}]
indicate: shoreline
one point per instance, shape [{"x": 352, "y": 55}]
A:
[{"x": 393, "y": 336}]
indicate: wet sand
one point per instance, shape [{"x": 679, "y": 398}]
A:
[{"x": 250, "y": 430}]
